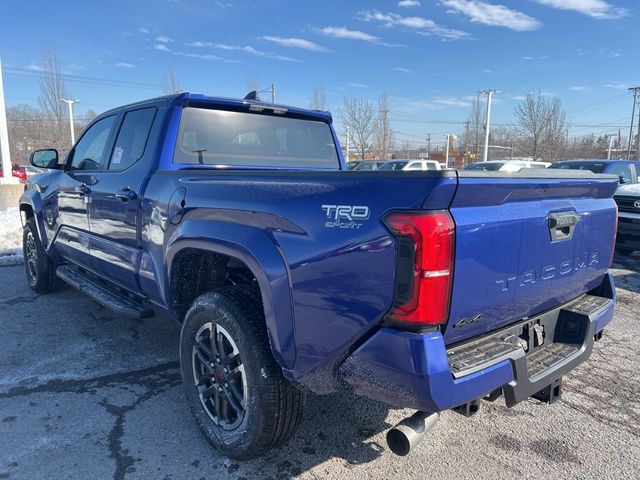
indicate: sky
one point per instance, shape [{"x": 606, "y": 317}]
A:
[{"x": 431, "y": 57}]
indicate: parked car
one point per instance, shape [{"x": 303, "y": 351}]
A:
[
  {"x": 625, "y": 170},
  {"x": 428, "y": 291},
  {"x": 628, "y": 199},
  {"x": 505, "y": 165},
  {"x": 393, "y": 165},
  {"x": 16, "y": 171},
  {"x": 369, "y": 165},
  {"x": 354, "y": 163},
  {"x": 31, "y": 170}
]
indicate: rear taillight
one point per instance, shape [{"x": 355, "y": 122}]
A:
[{"x": 425, "y": 245}]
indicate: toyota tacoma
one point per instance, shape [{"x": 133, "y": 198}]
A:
[{"x": 430, "y": 290}]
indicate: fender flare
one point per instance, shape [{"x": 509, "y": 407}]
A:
[
  {"x": 31, "y": 199},
  {"x": 259, "y": 251}
]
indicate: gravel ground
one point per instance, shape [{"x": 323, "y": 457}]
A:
[{"x": 84, "y": 393}]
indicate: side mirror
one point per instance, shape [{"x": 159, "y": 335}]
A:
[
  {"x": 622, "y": 180},
  {"x": 47, "y": 158}
]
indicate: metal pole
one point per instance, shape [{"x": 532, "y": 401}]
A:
[
  {"x": 348, "y": 136},
  {"x": 5, "y": 153},
  {"x": 638, "y": 148},
  {"x": 70, "y": 105},
  {"x": 633, "y": 115},
  {"x": 428, "y": 146},
  {"x": 489, "y": 94},
  {"x": 446, "y": 158},
  {"x": 610, "y": 145}
]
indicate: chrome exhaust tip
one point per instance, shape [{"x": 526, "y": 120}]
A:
[{"x": 407, "y": 434}]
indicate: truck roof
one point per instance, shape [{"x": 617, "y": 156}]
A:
[{"x": 239, "y": 104}]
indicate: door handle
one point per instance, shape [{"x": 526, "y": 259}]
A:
[
  {"x": 82, "y": 189},
  {"x": 126, "y": 194}
]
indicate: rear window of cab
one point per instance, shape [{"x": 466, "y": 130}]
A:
[{"x": 227, "y": 138}]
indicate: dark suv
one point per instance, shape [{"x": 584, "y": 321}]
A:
[
  {"x": 628, "y": 199},
  {"x": 624, "y": 169}
]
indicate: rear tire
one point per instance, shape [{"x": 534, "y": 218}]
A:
[
  {"x": 40, "y": 269},
  {"x": 241, "y": 402}
]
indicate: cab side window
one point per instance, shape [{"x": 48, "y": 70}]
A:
[
  {"x": 623, "y": 171},
  {"x": 90, "y": 151},
  {"x": 132, "y": 138}
]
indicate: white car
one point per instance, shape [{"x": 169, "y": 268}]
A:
[
  {"x": 410, "y": 165},
  {"x": 506, "y": 165}
]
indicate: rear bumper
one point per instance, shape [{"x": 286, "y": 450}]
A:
[{"x": 412, "y": 370}]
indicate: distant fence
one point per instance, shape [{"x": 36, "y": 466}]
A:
[{"x": 9, "y": 195}]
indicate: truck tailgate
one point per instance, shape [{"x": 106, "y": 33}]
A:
[{"x": 526, "y": 243}]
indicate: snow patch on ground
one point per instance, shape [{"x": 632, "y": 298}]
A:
[{"x": 10, "y": 237}]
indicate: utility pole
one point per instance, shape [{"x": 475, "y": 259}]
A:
[
  {"x": 635, "y": 91},
  {"x": 428, "y": 146},
  {"x": 638, "y": 148},
  {"x": 466, "y": 142},
  {"x": 70, "y": 103},
  {"x": 489, "y": 93}
]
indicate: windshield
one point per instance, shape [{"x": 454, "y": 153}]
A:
[
  {"x": 486, "y": 167},
  {"x": 595, "y": 167},
  {"x": 389, "y": 166},
  {"x": 216, "y": 137}
]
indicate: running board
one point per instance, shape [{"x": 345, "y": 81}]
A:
[{"x": 102, "y": 294}]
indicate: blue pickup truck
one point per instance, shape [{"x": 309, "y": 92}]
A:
[{"x": 429, "y": 290}]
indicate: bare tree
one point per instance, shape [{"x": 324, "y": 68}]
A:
[
  {"x": 384, "y": 137},
  {"x": 473, "y": 136},
  {"x": 170, "y": 83},
  {"x": 82, "y": 123},
  {"x": 541, "y": 126},
  {"x": 29, "y": 129},
  {"x": 503, "y": 142},
  {"x": 52, "y": 89},
  {"x": 359, "y": 115},
  {"x": 319, "y": 99}
]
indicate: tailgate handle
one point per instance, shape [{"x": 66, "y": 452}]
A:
[{"x": 562, "y": 224}]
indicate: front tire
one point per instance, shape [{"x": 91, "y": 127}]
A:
[
  {"x": 40, "y": 269},
  {"x": 237, "y": 394}
]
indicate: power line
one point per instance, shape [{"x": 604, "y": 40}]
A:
[{"x": 82, "y": 79}]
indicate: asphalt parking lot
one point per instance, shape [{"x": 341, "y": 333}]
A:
[{"x": 85, "y": 394}]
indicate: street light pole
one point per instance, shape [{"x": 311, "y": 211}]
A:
[
  {"x": 610, "y": 146},
  {"x": 70, "y": 103},
  {"x": 489, "y": 94},
  {"x": 446, "y": 155},
  {"x": 348, "y": 136}
]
